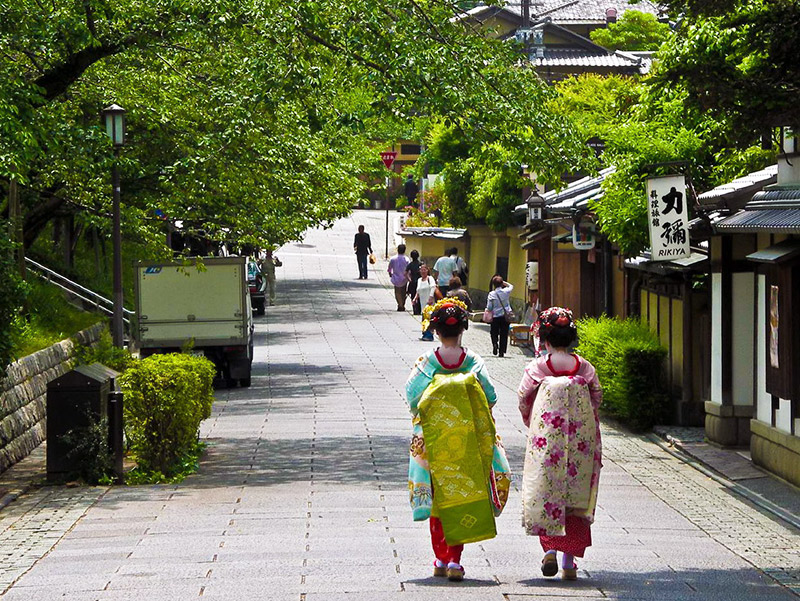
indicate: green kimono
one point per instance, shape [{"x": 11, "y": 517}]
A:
[{"x": 454, "y": 449}]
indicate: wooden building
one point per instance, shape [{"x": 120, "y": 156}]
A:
[{"x": 755, "y": 297}]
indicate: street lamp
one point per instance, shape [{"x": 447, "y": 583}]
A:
[
  {"x": 114, "y": 121},
  {"x": 535, "y": 207}
]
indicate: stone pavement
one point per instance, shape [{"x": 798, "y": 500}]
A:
[{"x": 302, "y": 495}]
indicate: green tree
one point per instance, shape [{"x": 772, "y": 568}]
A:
[
  {"x": 641, "y": 126},
  {"x": 12, "y": 295},
  {"x": 248, "y": 120},
  {"x": 635, "y": 30},
  {"x": 736, "y": 61}
]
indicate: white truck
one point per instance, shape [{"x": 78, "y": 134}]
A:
[{"x": 207, "y": 310}]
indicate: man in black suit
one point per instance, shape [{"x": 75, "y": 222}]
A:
[{"x": 363, "y": 247}]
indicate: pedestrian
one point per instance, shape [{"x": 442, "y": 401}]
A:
[
  {"x": 558, "y": 398},
  {"x": 461, "y": 269},
  {"x": 425, "y": 296},
  {"x": 456, "y": 290},
  {"x": 268, "y": 265},
  {"x": 443, "y": 270},
  {"x": 410, "y": 189},
  {"x": 362, "y": 246},
  {"x": 458, "y": 473},
  {"x": 499, "y": 309},
  {"x": 412, "y": 274},
  {"x": 397, "y": 273}
]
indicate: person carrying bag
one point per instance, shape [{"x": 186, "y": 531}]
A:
[{"x": 499, "y": 314}]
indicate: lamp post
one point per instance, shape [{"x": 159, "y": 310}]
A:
[
  {"x": 535, "y": 207},
  {"x": 114, "y": 120}
]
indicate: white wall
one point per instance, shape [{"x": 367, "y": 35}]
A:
[
  {"x": 716, "y": 338},
  {"x": 783, "y": 416},
  {"x": 763, "y": 398},
  {"x": 743, "y": 311}
]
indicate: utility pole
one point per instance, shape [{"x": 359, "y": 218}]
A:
[
  {"x": 526, "y": 27},
  {"x": 15, "y": 225}
]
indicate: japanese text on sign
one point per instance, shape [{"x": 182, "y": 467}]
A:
[{"x": 668, "y": 218}]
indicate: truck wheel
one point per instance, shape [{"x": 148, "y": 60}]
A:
[
  {"x": 244, "y": 382},
  {"x": 230, "y": 382}
]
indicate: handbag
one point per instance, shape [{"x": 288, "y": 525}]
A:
[
  {"x": 372, "y": 259},
  {"x": 487, "y": 316}
]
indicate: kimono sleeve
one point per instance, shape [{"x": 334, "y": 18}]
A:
[
  {"x": 528, "y": 387},
  {"x": 416, "y": 384},
  {"x": 482, "y": 374},
  {"x": 595, "y": 389}
]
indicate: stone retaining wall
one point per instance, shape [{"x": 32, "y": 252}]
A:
[{"x": 23, "y": 395}]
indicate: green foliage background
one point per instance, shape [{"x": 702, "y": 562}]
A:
[{"x": 12, "y": 295}]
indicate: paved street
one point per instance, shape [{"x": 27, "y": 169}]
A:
[{"x": 302, "y": 495}]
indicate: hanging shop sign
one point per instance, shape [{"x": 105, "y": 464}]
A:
[
  {"x": 668, "y": 217},
  {"x": 584, "y": 235}
]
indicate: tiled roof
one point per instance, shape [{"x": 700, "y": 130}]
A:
[
  {"x": 776, "y": 208},
  {"x": 740, "y": 190},
  {"x": 581, "y": 58},
  {"x": 581, "y": 11},
  {"x": 446, "y": 233},
  {"x": 575, "y": 196}
]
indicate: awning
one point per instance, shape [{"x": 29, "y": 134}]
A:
[
  {"x": 534, "y": 237},
  {"x": 783, "y": 251},
  {"x": 695, "y": 262}
]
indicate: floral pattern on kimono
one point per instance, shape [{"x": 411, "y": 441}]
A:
[
  {"x": 563, "y": 454},
  {"x": 419, "y": 475}
]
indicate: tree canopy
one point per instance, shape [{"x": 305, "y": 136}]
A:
[
  {"x": 736, "y": 60},
  {"x": 635, "y": 30},
  {"x": 641, "y": 128},
  {"x": 254, "y": 119}
]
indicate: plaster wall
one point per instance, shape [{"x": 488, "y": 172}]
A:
[
  {"x": 763, "y": 398},
  {"x": 742, "y": 334},
  {"x": 716, "y": 338}
]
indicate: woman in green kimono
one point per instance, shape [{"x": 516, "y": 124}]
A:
[{"x": 458, "y": 473}]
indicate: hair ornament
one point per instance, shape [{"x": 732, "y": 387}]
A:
[
  {"x": 551, "y": 318},
  {"x": 445, "y": 310}
]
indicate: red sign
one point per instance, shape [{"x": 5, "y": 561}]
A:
[{"x": 388, "y": 158}]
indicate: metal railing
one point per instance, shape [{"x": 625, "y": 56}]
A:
[{"x": 89, "y": 297}]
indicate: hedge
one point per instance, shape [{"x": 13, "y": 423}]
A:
[
  {"x": 166, "y": 398},
  {"x": 629, "y": 360}
]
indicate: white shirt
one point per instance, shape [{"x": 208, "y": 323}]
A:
[
  {"x": 497, "y": 301},
  {"x": 445, "y": 266},
  {"x": 425, "y": 290}
]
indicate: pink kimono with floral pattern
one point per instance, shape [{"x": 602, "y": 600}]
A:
[{"x": 563, "y": 453}]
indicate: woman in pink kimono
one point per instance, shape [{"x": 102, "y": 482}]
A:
[{"x": 558, "y": 399}]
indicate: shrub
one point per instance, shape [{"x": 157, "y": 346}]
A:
[
  {"x": 166, "y": 398},
  {"x": 629, "y": 361}
]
